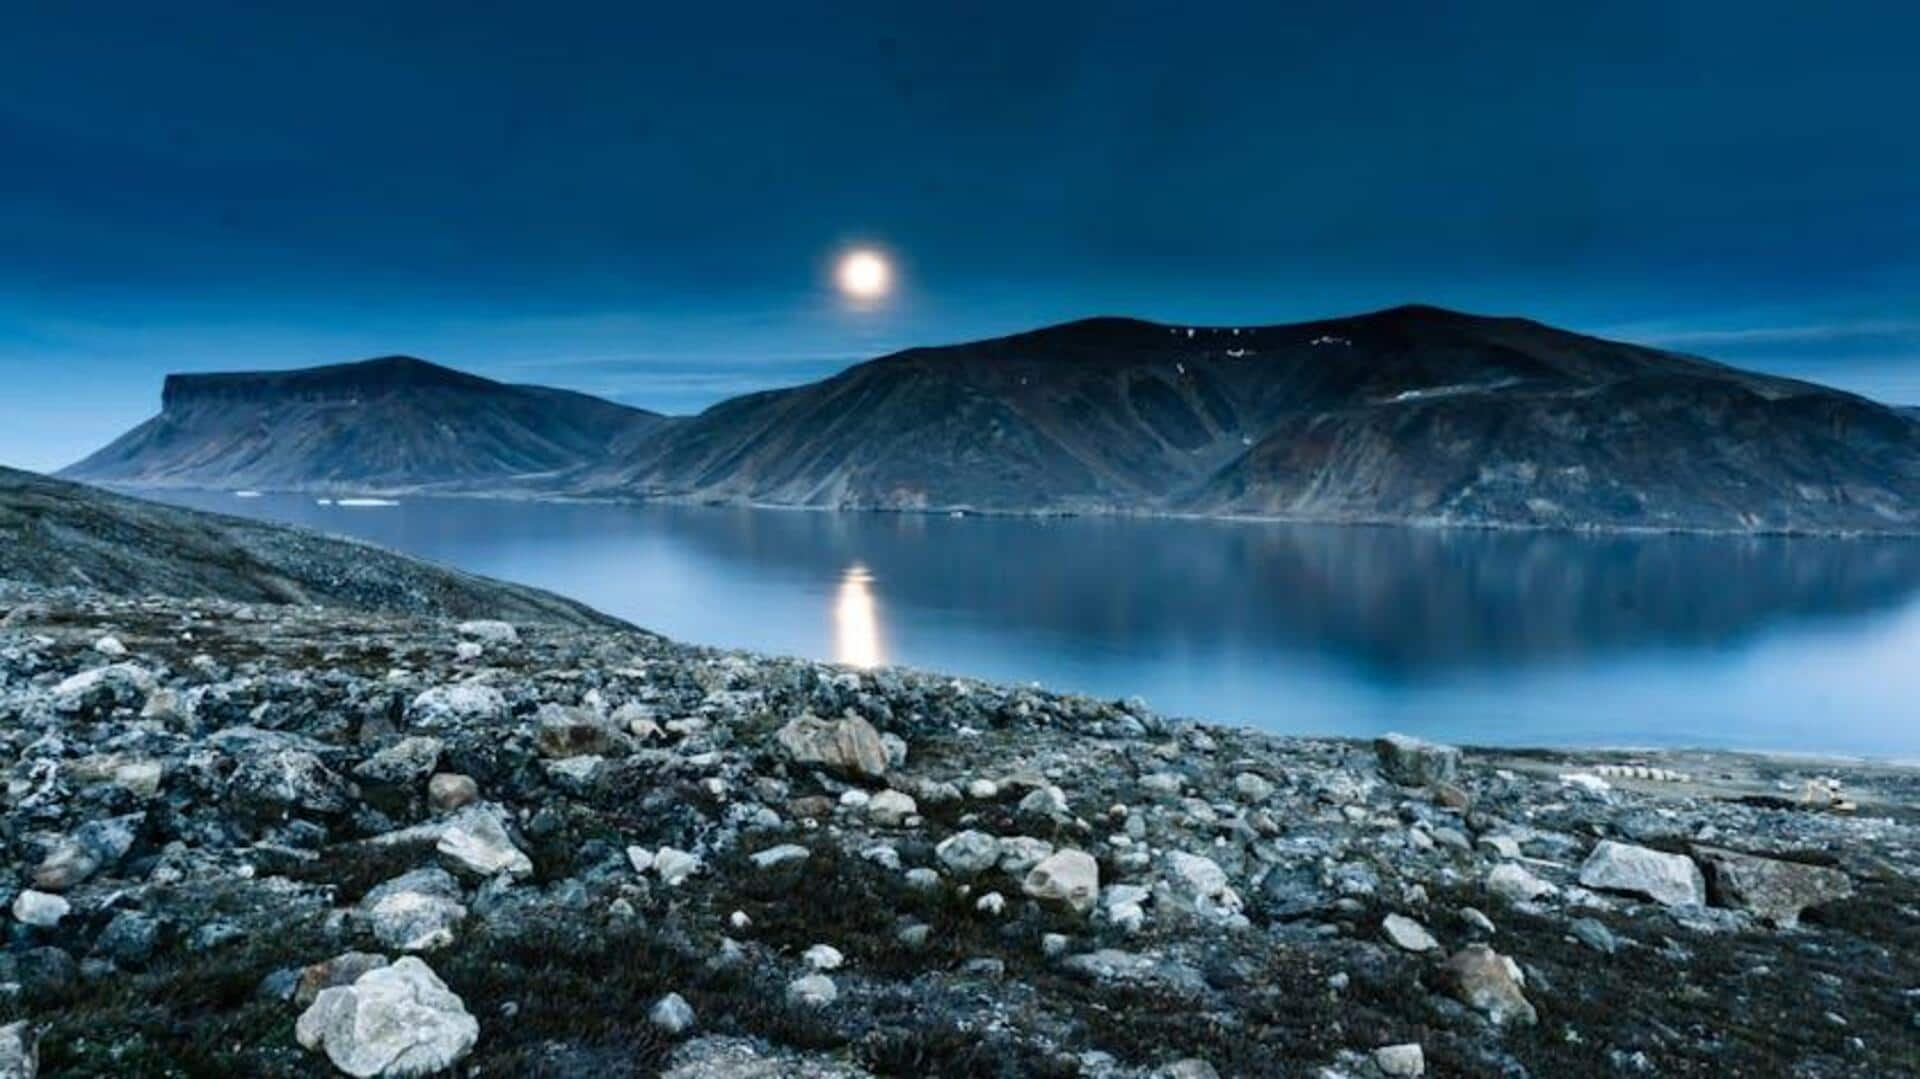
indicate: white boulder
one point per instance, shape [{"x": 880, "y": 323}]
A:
[{"x": 397, "y": 1020}]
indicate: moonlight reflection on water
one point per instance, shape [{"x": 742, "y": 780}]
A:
[{"x": 856, "y": 628}]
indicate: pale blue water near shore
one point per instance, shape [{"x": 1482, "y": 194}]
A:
[{"x": 1485, "y": 637}]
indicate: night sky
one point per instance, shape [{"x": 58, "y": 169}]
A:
[{"x": 646, "y": 203}]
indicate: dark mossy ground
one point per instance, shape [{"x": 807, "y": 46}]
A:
[{"x": 565, "y": 992}]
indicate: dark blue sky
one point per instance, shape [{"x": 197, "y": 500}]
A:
[{"x": 643, "y": 203}]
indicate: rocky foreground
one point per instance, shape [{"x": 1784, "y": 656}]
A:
[{"x": 262, "y": 840}]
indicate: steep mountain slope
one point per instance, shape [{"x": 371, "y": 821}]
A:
[
  {"x": 58, "y": 534},
  {"x": 391, "y": 424},
  {"x": 1667, "y": 451},
  {"x": 1410, "y": 414}
]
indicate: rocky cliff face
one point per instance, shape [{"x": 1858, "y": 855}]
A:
[
  {"x": 1408, "y": 415},
  {"x": 385, "y": 425},
  {"x": 55, "y": 534}
]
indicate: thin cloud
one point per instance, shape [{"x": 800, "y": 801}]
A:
[{"x": 1829, "y": 331}]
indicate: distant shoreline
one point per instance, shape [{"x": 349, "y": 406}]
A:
[{"x": 1427, "y": 523}]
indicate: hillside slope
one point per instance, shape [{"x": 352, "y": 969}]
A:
[
  {"x": 56, "y": 534},
  {"x": 385, "y": 425},
  {"x": 1413, "y": 414}
]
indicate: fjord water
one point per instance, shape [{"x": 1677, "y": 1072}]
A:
[{"x": 1475, "y": 636}]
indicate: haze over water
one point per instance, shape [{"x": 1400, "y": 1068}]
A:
[{"x": 1473, "y": 636}]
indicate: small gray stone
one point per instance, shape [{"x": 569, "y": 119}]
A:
[
  {"x": 577, "y": 732},
  {"x": 1488, "y": 982},
  {"x": 449, "y": 791},
  {"x": 129, "y": 939},
  {"x": 673, "y": 866},
  {"x": 1070, "y": 877},
  {"x": 672, "y": 1014},
  {"x": 42, "y": 910},
  {"x": 1252, "y": 788},
  {"x": 475, "y": 841},
  {"x": 1407, "y": 1060},
  {"x": 401, "y": 764},
  {"x": 490, "y": 630},
  {"x": 466, "y": 702},
  {"x": 783, "y": 855},
  {"x": 1591, "y": 933},
  {"x": 823, "y": 957},
  {"x": 813, "y": 991},
  {"x": 890, "y": 808},
  {"x": 969, "y": 853},
  {"x": 1408, "y": 934},
  {"x": 1514, "y": 884},
  {"x": 19, "y": 1051},
  {"x": 415, "y": 912}
]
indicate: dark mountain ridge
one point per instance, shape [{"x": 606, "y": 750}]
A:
[
  {"x": 389, "y": 424},
  {"x": 1409, "y": 415},
  {"x": 1414, "y": 414},
  {"x": 383, "y": 374}
]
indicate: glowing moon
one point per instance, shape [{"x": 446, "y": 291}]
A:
[{"x": 864, "y": 274}]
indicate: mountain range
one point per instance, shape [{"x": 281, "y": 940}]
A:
[
  {"x": 1409, "y": 415},
  {"x": 388, "y": 424}
]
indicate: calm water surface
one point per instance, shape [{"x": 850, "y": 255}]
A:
[{"x": 1786, "y": 644}]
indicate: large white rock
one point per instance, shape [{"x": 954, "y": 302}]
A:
[
  {"x": 475, "y": 841},
  {"x": 1668, "y": 879},
  {"x": 849, "y": 746},
  {"x": 397, "y": 1020},
  {"x": 1070, "y": 876}
]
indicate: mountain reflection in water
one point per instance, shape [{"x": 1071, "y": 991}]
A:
[{"x": 1474, "y": 635}]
